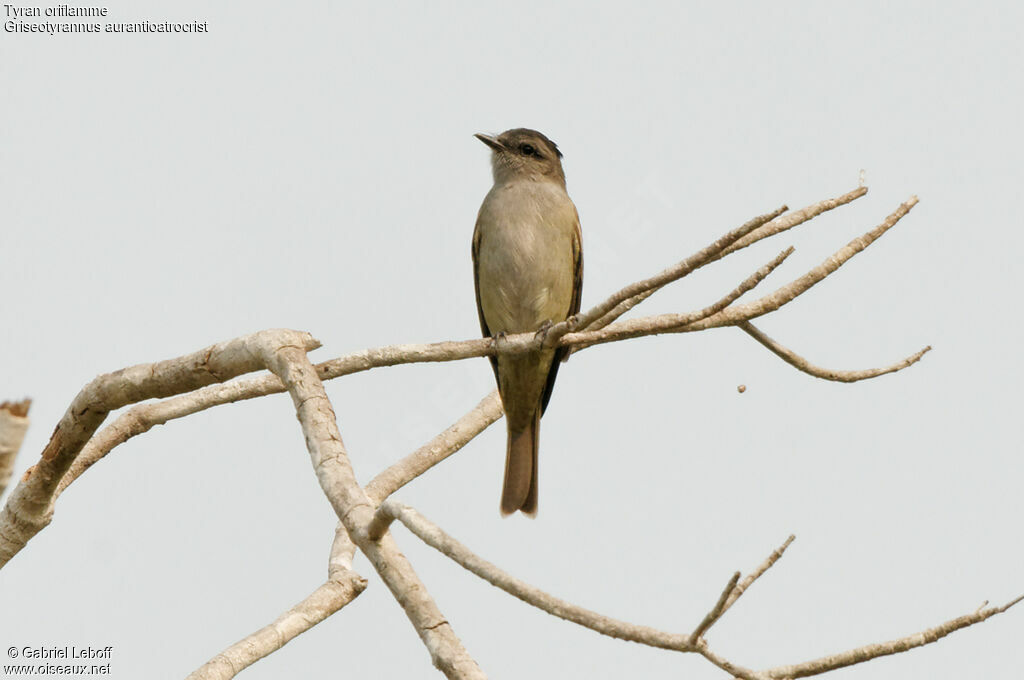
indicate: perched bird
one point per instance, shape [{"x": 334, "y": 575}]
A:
[{"x": 528, "y": 269}]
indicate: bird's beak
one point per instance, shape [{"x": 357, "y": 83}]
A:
[{"x": 490, "y": 141}]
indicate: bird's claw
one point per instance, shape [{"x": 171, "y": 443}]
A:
[{"x": 542, "y": 332}]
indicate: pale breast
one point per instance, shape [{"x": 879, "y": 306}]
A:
[{"x": 526, "y": 266}]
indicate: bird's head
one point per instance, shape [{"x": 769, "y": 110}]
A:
[{"x": 522, "y": 153}]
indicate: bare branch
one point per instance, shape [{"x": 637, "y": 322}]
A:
[
  {"x": 732, "y": 315},
  {"x": 485, "y": 413},
  {"x": 393, "y": 355},
  {"x": 383, "y": 517},
  {"x": 733, "y": 591},
  {"x": 674, "y": 273},
  {"x": 716, "y": 611},
  {"x": 647, "y": 325},
  {"x": 337, "y": 479},
  {"x": 436, "y": 538},
  {"x": 786, "y": 293},
  {"x": 285, "y": 353},
  {"x": 728, "y": 666},
  {"x": 793, "y": 219},
  {"x": 342, "y": 586},
  {"x": 13, "y": 426},
  {"x": 868, "y": 652},
  {"x": 801, "y": 364},
  {"x": 749, "y": 579},
  {"x": 29, "y": 508},
  {"x": 777, "y": 225}
]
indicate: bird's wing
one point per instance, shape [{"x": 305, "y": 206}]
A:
[
  {"x": 574, "y": 307},
  {"x": 476, "y": 285}
]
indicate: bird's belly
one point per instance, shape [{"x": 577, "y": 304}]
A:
[{"x": 525, "y": 279}]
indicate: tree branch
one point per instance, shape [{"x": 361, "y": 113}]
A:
[
  {"x": 648, "y": 325},
  {"x": 647, "y": 286},
  {"x": 868, "y": 652},
  {"x": 801, "y": 364},
  {"x": 337, "y": 479},
  {"x": 436, "y": 538},
  {"x": 787, "y": 293},
  {"x": 29, "y": 507},
  {"x": 749, "y": 579},
  {"x": 716, "y": 611},
  {"x": 793, "y": 219},
  {"x": 734, "y": 314},
  {"x": 777, "y": 224},
  {"x": 734, "y": 590}
]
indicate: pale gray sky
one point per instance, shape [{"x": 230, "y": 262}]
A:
[{"x": 312, "y": 165}]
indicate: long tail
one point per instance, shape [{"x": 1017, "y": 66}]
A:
[{"x": 520, "y": 490}]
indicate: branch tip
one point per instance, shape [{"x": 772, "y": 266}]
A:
[
  {"x": 1011, "y": 603},
  {"x": 805, "y": 366}
]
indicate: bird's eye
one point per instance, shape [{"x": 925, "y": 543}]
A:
[{"x": 527, "y": 150}]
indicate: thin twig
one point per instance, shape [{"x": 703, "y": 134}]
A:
[
  {"x": 436, "y": 538},
  {"x": 777, "y": 225},
  {"x": 716, "y": 611},
  {"x": 732, "y": 315},
  {"x": 801, "y": 364},
  {"x": 795, "y": 218},
  {"x": 673, "y": 321},
  {"x": 673, "y": 273},
  {"x": 733, "y": 591},
  {"x": 787, "y": 293},
  {"x": 749, "y": 579},
  {"x": 728, "y": 666},
  {"x": 868, "y": 652}
]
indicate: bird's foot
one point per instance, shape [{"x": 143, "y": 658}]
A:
[
  {"x": 500, "y": 342},
  {"x": 542, "y": 332}
]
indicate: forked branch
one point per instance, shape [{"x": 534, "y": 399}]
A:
[{"x": 436, "y": 538}]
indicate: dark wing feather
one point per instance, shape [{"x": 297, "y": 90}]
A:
[
  {"x": 479, "y": 308},
  {"x": 574, "y": 307}
]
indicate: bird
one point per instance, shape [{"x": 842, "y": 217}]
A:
[{"x": 528, "y": 274}]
